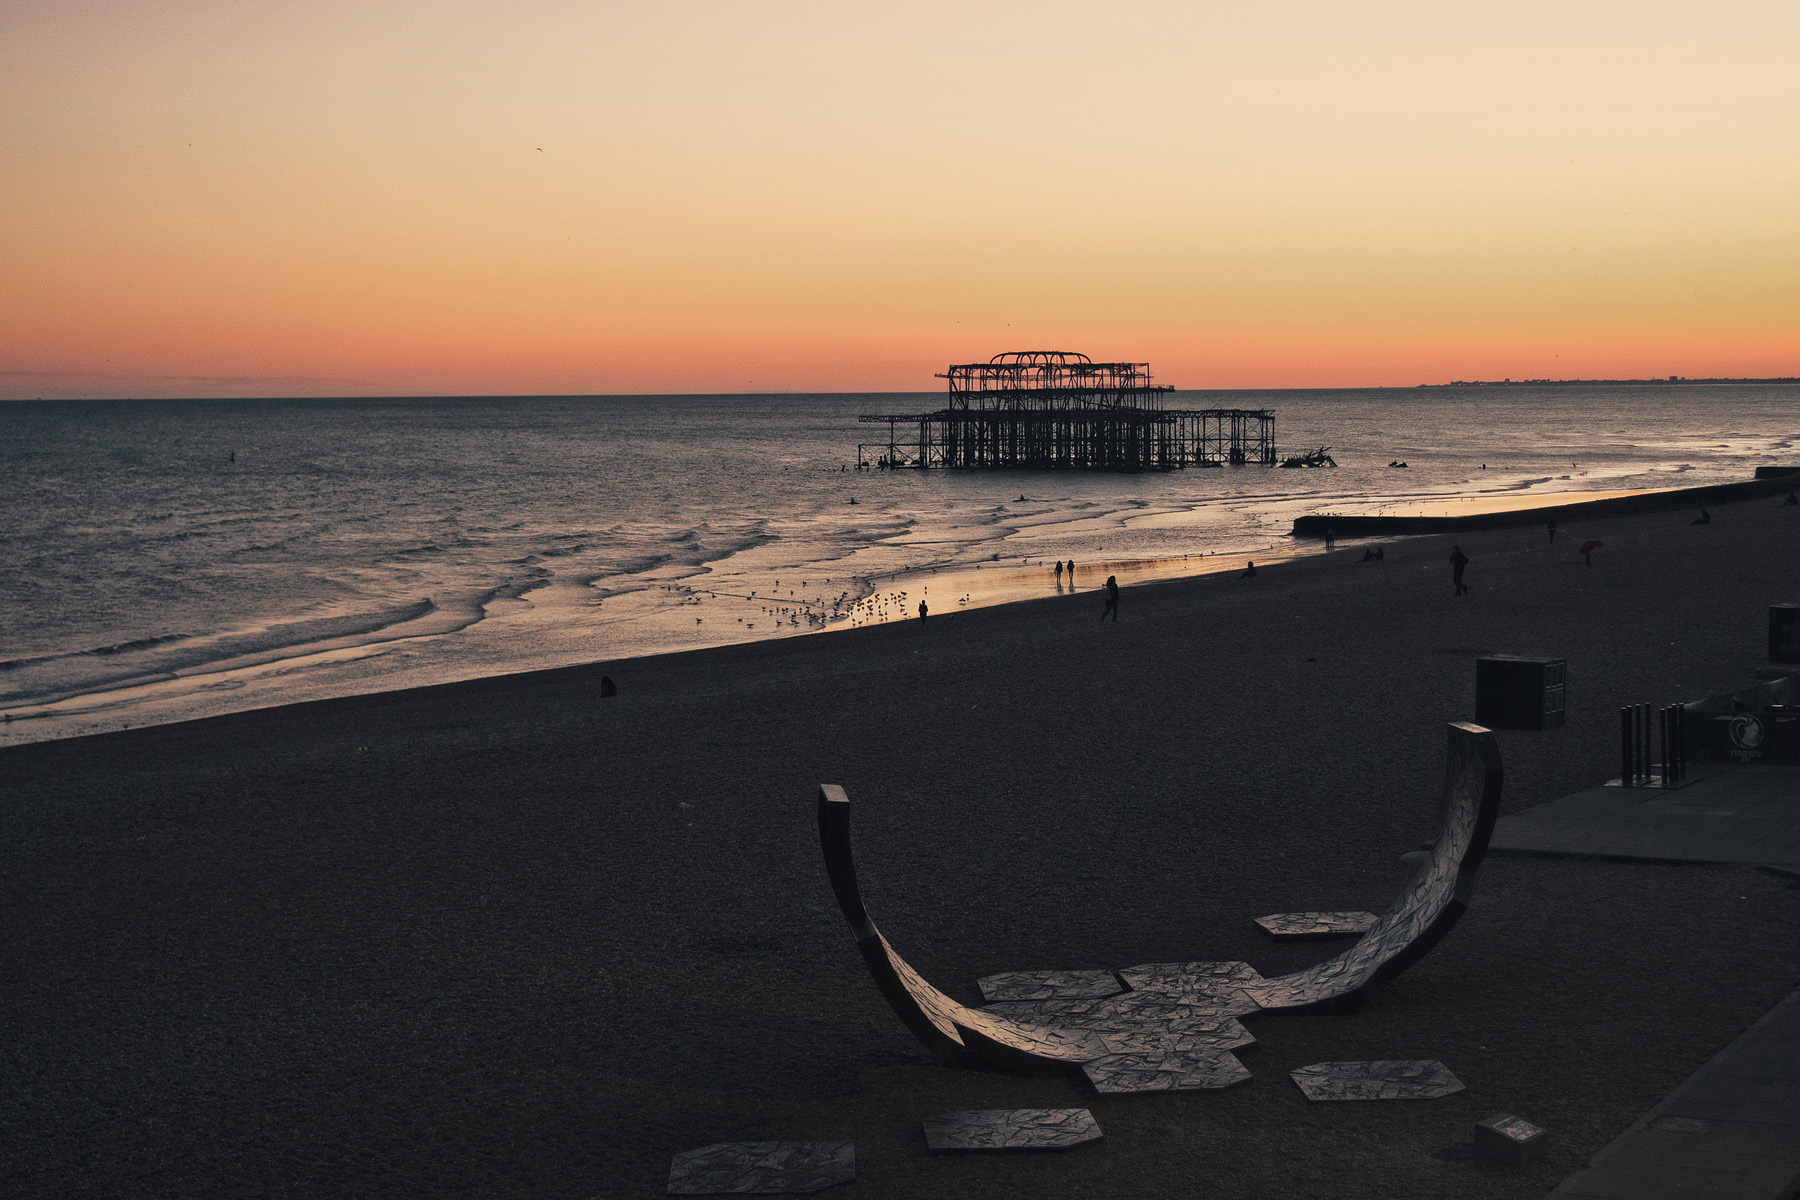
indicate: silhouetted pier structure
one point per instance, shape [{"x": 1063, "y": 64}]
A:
[{"x": 1055, "y": 410}]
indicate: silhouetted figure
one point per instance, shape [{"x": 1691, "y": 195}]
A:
[
  {"x": 1071, "y": 572},
  {"x": 607, "y": 686},
  {"x": 1380, "y": 553},
  {"x": 1112, "y": 599},
  {"x": 1369, "y": 555},
  {"x": 1792, "y": 501},
  {"x": 1705, "y": 518},
  {"x": 1250, "y": 574},
  {"x": 1059, "y": 572},
  {"x": 922, "y": 612},
  {"x": 1587, "y": 549},
  {"x": 1552, "y": 528},
  {"x": 1458, "y": 560},
  {"x": 1330, "y": 539}
]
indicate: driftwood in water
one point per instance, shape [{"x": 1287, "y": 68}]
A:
[{"x": 1316, "y": 458}]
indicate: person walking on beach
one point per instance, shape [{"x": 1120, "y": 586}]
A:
[
  {"x": 1458, "y": 560},
  {"x": 1071, "y": 572},
  {"x": 1059, "y": 572},
  {"x": 1112, "y": 599},
  {"x": 922, "y": 611}
]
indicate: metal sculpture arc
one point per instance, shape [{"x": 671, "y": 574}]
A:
[
  {"x": 952, "y": 1031},
  {"x": 1071, "y": 1036},
  {"x": 1434, "y": 901}
]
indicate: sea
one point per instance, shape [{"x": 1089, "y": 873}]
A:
[{"x": 172, "y": 559}]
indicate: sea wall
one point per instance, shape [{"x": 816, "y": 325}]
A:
[{"x": 1673, "y": 500}]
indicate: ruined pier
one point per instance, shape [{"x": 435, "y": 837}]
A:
[{"x": 1057, "y": 410}]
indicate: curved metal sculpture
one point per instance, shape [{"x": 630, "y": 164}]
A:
[
  {"x": 950, "y": 1030},
  {"x": 1434, "y": 902},
  {"x": 1183, "y": 1009}
]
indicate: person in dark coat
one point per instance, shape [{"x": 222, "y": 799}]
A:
[
  {"x": 1458, "y": 560},
  {"x": 1112, "y": 599}
]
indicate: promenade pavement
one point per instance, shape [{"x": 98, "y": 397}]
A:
[
  {"x": 1748, "y": 814},
  {"x": 1732, "y": 1130}
]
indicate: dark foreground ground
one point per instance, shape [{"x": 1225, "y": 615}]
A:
[{"x": 509, "y": 939}]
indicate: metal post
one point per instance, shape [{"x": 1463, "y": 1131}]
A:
[
  {"x": 1644, "y": 742},
  {"x": 1626, "y": 758},
  {"x": 1637, "y": 743},
  {"x": 1678, "y": 725},
  {"x": 1668, "y": 747}
]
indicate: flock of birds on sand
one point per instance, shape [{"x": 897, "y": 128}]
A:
[{"x": 816, "y": 612}]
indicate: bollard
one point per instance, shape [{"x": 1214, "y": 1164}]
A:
[
  {"x": 1640, "y": 753},
  {"x": 1626, "y": 758},
  {"x": 1668, "y": 748},
  {"x": 1678, "y": 732}
]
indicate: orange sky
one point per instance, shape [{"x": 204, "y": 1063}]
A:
[{"x": 378, "y": 197}]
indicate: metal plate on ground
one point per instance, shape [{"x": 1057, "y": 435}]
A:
[
  {"x": 1173, "y": 1071},
  {"x": 1133, "y": 1012},
  {"x": 761, "y": 1168},
  {"x": 1220, "y": 983},
  {"x": 1298, "y": 925},
  {"x": 1386, "y": 1079},
  {"x": 1151, "y": 1040},
  {"x": 994, "y": 1129},
  {"x": 1049, "y": 985}
]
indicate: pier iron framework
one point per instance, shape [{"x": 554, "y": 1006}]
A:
[{"x": 1057, "y": 410}]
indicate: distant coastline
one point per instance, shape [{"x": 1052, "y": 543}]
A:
[{"x": 1681, "y": 379}]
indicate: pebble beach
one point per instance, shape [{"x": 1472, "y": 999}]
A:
[{"x": 509, "y": 938}]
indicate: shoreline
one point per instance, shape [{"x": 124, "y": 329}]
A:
[{"x": 960, "y": 589}]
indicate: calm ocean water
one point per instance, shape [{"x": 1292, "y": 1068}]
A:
[{"x": 170, "y": 559}]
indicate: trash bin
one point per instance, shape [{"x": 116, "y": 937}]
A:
[{"x": 1517, "y": 691}]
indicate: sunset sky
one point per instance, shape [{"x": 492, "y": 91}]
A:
[{"x": 376, "y": 197}]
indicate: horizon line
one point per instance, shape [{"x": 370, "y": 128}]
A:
[{"x": 1663, "y": 381}]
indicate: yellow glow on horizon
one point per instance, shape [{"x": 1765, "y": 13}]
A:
[{"x": 562, "y": 197}]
